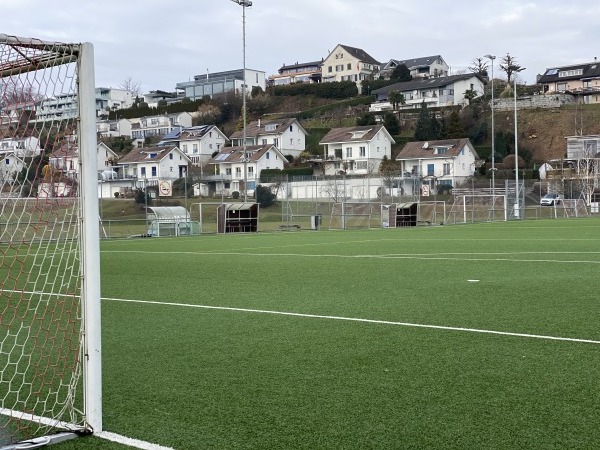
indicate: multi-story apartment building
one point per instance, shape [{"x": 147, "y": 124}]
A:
[
  {"x": 216, "y": 83},
  {"x": 347, "y": 63},
  {"x": 582, "y": 80},
  {"x": 309, "y": 72}
]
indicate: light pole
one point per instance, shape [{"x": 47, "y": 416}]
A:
[
  {"x": 492, "y": 58},
  {"x": 517, "y": 206},
  {"x": 244, "y": 4}
]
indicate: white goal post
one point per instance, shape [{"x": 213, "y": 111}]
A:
[{"x": 50, "y": 346}]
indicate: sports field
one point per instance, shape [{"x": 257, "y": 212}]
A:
[{"x": 464, "y": 337}]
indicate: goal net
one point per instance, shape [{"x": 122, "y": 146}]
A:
[
  {"x": 473, "y": 208},
  {"x": 49, "y": 255},
  {"x": 355, "y": 215}
]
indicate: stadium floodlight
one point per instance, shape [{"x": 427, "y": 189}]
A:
[
  {"x": 244, "y": 4},
  {"x": 517, "y": 200},
  {"x": 492, "y": 58},
  {"x": 50, "y": 377}
]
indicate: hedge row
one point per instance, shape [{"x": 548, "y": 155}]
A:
[
  {"x": 335, "y": 89},
  {"x": 268, "y": 175}
]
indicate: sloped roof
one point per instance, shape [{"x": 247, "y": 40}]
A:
[
  {"x": 146, "y": 154},
  {"x": 300, "y": 65},
  {"x": 360, "y": 54},
  {"x": 590, "y": 70},
  {"x": 66, "y": 150},
  {"x": 414, "y": 63},
  {"x": 236, "y": 154},
  {"x": 428, "y": 83},
  {"x": 259, "y": 128},
  {"x": 189, "y": 133},
  {"x": 347, "y": 134},
  {"x": 424, "y": 149}
]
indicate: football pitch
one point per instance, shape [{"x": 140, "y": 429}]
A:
[{"x": 474, "y": 336}]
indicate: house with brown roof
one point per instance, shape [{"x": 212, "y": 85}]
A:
[
  {"x": 199, "y": 143},
  {"x": 154, "y": 164},
  {"x": 443, "y": 162},
  {"x": 355, "y": 150},
  {"x": 230, "y": 163},
  {"x": 579, "y": 79},
  {"x": 285, "y": 134},
  {"x": 347, "y": 63}
]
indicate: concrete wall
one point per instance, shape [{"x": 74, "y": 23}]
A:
[{"x": 534, "y": 101}]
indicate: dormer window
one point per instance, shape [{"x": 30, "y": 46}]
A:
[
  {"x": 270, "y": 127},
  {"x": 359, "y": 134},
  {"x": 440, "y": 150}
]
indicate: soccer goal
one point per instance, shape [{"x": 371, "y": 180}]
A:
[
  {"x": 50, "y": 382},
  {"x": 355, "y": 215},
  {"x": 473, "y": 208}
]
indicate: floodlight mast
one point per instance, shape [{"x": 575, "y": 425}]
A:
[
  {"x": 492, "y": 58},
  {"x": 517, "y": 200},
  {"x": 244, "y": 4}
]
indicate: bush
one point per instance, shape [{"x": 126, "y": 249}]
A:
[
  {"x": 264, "y": 196},
  {"x": 335, "y": 89},
  {"x": 235, "y": 195}
]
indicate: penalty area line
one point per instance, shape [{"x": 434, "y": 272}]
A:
[
  {"x": 356, "y": 319},
  {"x": 119, "y": 439}
]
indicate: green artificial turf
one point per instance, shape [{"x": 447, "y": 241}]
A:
[{"x": 189, "y": 377}]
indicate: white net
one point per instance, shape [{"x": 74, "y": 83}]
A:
[
  {"x": 355, "y": 215},
  {"x": 40, "y": 240},
  {"x": 473, "y": 208}
]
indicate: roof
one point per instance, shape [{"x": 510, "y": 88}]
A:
[
  {"x": 236, "y": 154},
  {"x": 66, "y": 150},
  {"x": 188, "y": 133},
  {"x": 413, "y": 63},
  {"x": 429, "y": 83},
  {"x": 146, "y": 154},
  {"x": 300, "y": 65},
  {"x": 353, "y": 134},
  {"x": 424, "y": 149},
  {"x": 169, "y": 212},
  {"x": 589, "y": 70},
  {"x": 360, "y": 54},
  {"x": 266, "y": 127}
]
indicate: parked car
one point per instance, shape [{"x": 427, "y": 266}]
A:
[{"x": 551, "y": 200}]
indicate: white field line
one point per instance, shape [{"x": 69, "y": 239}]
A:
[
  {"x": 129, "y": 441},
  {"x": 432, "y": 256},
  {"x": 355, "y": 319}
]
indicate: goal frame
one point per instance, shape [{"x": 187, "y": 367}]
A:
[{"x": 54, "y": 54}]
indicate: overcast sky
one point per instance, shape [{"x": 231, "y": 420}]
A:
[{"x": 162, "y": 42}]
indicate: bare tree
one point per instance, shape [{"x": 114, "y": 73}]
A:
[
  {"x": 479, "y": 66},
  {"x": 12, "y": 93},
  {"x": 509, "y": 65},
  {"x": 131, "y": 85}
]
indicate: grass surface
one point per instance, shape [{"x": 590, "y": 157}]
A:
[{"x": 189, "y": 377}]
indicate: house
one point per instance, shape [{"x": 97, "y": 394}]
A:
[
  {"x": 423, "y": 67},
  {"x": 13, "y": 151},
  {"x": 443, "y": 162},
  {"x": 355, "y": 150},
  {"x": 110, "y": 99},
  {"x": 210, "y": 84},
  {"x": 231, "y": 162},
  {"x": 154, "y": 164},
  {"x": 347, "y": 63},
  {"x": 285, "y": 134},
  {"x": 153, "y": 97},
  {"x": 309, "y": 72},
  {"x": 160, "y": 125},
  {"x": 65, "y": 160},
  {"x": 199, "y": 143},
  {"x": 579, "y": 79},
  {"x": 434, "y": 92},
  {"x": 113, "y": 128}
]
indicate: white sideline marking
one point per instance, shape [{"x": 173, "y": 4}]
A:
[
  {"x": 129, "y": 441},
  {"x": 143, "y": 445},
  {"x": 424, "y": 256},
  {"x": 355, "y": 319}
]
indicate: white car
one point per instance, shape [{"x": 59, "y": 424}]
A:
[{"x": 551, "y": 200}]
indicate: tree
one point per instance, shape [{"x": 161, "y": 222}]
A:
[
  {"x": 256, "y": 90},
  {"x": 131, "y": 85},
  {"x": 396, "y": 97},
  {"x": 508, "y": 64},
  {"x": 479, "y": 66},
  {"x": 389, "y": 169},
  {"x": 390, "y": 122},
  {"x": 264, "y": 196},
  {"x": 401, "y": 73},
  {"x": 454, "y": 129},
  {"x": 470, "y": 95},
  {"x": 11, "y": 93},
  {"x": 365, "y": 119},
  {"x": 427, "y": 126}
]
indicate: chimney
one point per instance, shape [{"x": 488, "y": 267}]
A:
[{"x": 259, "y": 124}]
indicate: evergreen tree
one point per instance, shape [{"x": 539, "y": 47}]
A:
[
  {"x": 391, "y": 124},
  {"x": 365, "y": 119},
  {"x": 401, "y": 73},
  {"x": 455, "y": 129},
  {"x": 422, "y": 127}
]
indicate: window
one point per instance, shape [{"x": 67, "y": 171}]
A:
[
  {"x": 362, "y": 151},
  {"x": 430, "y": 169},
  {"x": 238, "y": 172},
  {"x": 264, "y": 142},
  {"x": 561, "y": 87},
  {"x": 291, "y": 128},
  {"x": 228, "y": 171},
  {"x": 348, "y": 152},
  {"x": 226, "y": 185},
  {"x": 250, "y": 170},
  {"x": 349, "y": 66},
  {"x": 154, "y": 171},
  {"x": 339, "y": 67},
  {"x": 170, "y": 169},
  {"x": 184, "y": 148},
  {"x": 291, "y": 142},
  {"x": 170, "y": 155},
  {"x": 446, "y": 168},
  {"x": 268, "y": 155},
  {"x": 276, "y": 142},
  {"x": 361, "y": 165},
  {"x": 143, "y": 171},
  {"x": 440, "y": 151},
  {"x": 195, "y": 148},
  {"x": 330, "y": 69},
  {"x": 7, "y": 161}
]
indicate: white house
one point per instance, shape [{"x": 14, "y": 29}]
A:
[
  {"x": 198, "y": 143},
  {"x": 435, "y": 92},
  {"x": 285, "y": 134},
  {"x": 422, "y": 67},
  {"x": 154, "y": 164},
  {"x": 65, "y": 159},
  {"x": 309, "y": 72},
  {"x": 160, "y": 125},
  {"x": 113, "y": 128},
  {"x": 230, "y": 163},
  {"x": 215, "y": 83},
  {"x": 12, "y": 151},
  {"x": 356, "y": 150},
  {"x": 443, "y": 162},
  {"x": 347, "y": 63}
]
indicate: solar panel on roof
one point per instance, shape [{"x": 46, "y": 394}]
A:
[{"x": 173, "y": 134}]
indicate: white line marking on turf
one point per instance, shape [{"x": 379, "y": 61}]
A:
[
  {"x": 129, "y": 441},
  {"x": 355, "y": 319}
]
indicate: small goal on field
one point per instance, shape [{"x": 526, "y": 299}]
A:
[
  {"x": 355, "y": 215},
  {"x": 50, "y": 385},
  {"x": 472, "y": 208}
]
